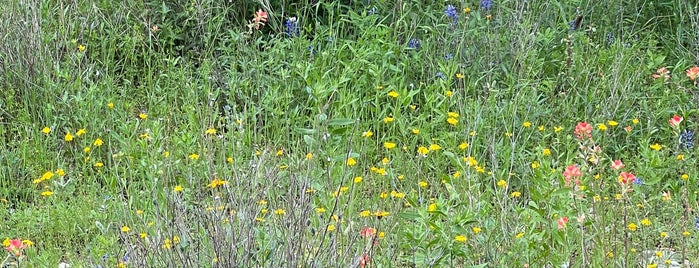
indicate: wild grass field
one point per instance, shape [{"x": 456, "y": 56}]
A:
[{"x": 365, "y": 133}]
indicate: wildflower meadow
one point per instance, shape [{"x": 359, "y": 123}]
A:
[{"x": 343, "y": 133}]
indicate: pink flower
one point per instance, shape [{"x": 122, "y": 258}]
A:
[
  {"x": 675, "y": 120},
  {"x": 367, "y": 231},
  {"x": 662, "y": 72},
  {"x": 626, "y": 178},
  {"x": 16, "y": 246},
  {"x": 260, "y": 16},
  {"x": 562, "y": 222},
  {"x": 364, "y": 260},
  {"x": 571, "y": 172},
  {"x": 617, "y": 164},
  {"x": 583, "y": 130},
  {"x": 628, "y": 129},
  {"x": 693, "y": 73}
]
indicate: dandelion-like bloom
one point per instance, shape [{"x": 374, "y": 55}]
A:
[
  {"x": 656, "y": 147},
  {"x": 393, "y": 94},
  {"x": 632, "y": 226},
  {"x": 452, "y": 121},
  {"x": 422, "y": 150},
  {"x": 583, "y": 130},
  {"x": 178, "y": 188},
  {"x": 125, "y": 229},
  {"x": 351, "y": 162},
  {"x": 461, "y": 239},
  {"x": 68, "y": 137},
  {"x": 486, "y": 4},
  {"x": 389, "y": 145},
  {"x": 291, "y": 27},
  {"x": 450, "y": 11}
]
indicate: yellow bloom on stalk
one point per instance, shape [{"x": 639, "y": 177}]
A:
[
  {"x": 110, "y": 105},
  {"x": 680, "y": 157},
  {"x": 645, "y": 222},
  {"x": 463, "y": 146},
  {"x": 502, "y": 183},
  {"x": 216, "y": 183},
  {"x": 320, "y": 210},
  {"x": 388, "y": 120},
  {"x": 393, "y": 94},
  {"x": 380, "y": 213},
  {"x": 461, "y": 239},
  {"x": 351, "y": 162},
  {"x": 612, "y": 123},
  {"x": 448, "y": 93},
  {"x": 527, "y": 124},
  {"x": 453, "y": 114},
  {"x": 99, "y": 164},
  {"x": 602, "y": 127},
  {"x": 632, "y": 227},
  {"x": 46, "y": 193},
  {"x": 230, "y": 159},
  {"x": 142, "y": 116},
  {"x": 358, "y": 179},
  {"x": 460, "y": 76},
  {"x": 542, "y": 128},
  {"x": 547, "y": 152},
  {"x": 685, "y": 177},
  {"x": 167, "y": 243},
  {"x": 467, "y": 10},
  {"x": 142, "y": 235},
  {"x": 46, "y": 130},
  {"x": 663, "y": 234},
  {"x": 60, "y": 172},
  {"x": 80, "y": 132},
  {"x": 367, "y": 134},
  {"x": 279, "y": 212},
  {"x": 125, "y": 229},
  {"x": 331, "y": 227},
  {"x": 452, "y": 121},
  {"x": 178, "y": 188},
  {"x": 476, "y": 230},
  {"x": 515, "y": 194},
  {"x": 81, "y": 47},
  {"x": 365, "y": 213},
  {"x": 685, "y": 233},
  {"x": 535, "y": 165},
  {"x": 309, "y": 156},
  {"x": 656, "y": 147},
  {"x": 389, "y": 145},
  {"x": 68, "y": 137},
  {"x": 519, "y": 235},
  {"x": 423, "y": 184},
  {"x": 635, "y": 121},
  {"x": 435, "y": 147},
  {"x": 280, "y": 152},
  {"x": 416, "y": 131},
  {"x": 211, "y": 131},
  {"x": 432, "y": 207},
  {"x": 557, "y": 129},
  {"x": 98, "y": 142},
  {"x": 194, "y": 156}
]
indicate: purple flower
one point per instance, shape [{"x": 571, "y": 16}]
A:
[
  {"x": 292, "y": 27},
  {"x": 486, "y": 4},
  {"x": 451, "y": 13},
  {"x": 414, "y": 43}
]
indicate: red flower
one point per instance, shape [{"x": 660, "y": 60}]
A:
[
  {"x": 16, "y": 246},
  {"x": 260, "y": 16},
  {"x": 693, "y": 73},
  {"x": 364, "y": 260},
  {"x": 675, "y": 120},
  {"x": 367, "y": 231},
  {"x": 571, "y": 172},
  {"x": 583, "y": 130},
  {"x": 626, "y": 178},
  {"x": 562, "y": 222},
  {"x": 617, "y": 164}
]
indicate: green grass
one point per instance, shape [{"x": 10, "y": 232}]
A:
[{"x": 223, "y": 146}]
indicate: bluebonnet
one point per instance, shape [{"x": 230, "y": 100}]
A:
[
  {"x": 104, "y": 257},
  {"x": 610, "y": 38},
  {"x": 414, "y": 43},
  {"x": 451, "y": 13},
  {"x": 696, "y": 222},
  {"x": 687, "y": 140},
  {"x": 441, "y": 75},
  {"x": 638, "y": 181},
  {"x": 292, "y": 27},
  {"x": 448, "y": 56},
  {"x": 125, "y": 258},
  {"x": 486, "y": 4}
]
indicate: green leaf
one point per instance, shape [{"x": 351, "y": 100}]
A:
[{"x": 341, "y": 122}]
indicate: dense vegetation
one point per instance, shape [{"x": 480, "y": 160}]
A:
[{"x": 349, "y": 133}]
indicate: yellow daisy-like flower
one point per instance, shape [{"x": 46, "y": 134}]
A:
[
  {"x": 193, "y": 156},
  {"x": 211, "y": 131},
  {"x": 612, "y": 123},
  {"x": 460, "y": 76},
  {"x": 367, "y": 134},
  {"x": 422, "y": 150},
  {"x": 98, "y": 142},
  {"x": 547, "y": 152},
  {"x": 515, "y": 194},
  {"x": 178, "y": 188},
  {"x": 80, "y": 132},
  {"x": 476, "y": 230},
  {"x": 527, "y": 124},
  {"x": 279, "y": 211},
  {"x": 463, "y": 146},
  {"x": 632, "y": 226},
  {"x": 358, "y": 179},
  {"x": 452, "y": 121},
  {"x": 453, "y": 114},
  {"x": 110, "y": 105},
  {"x": 125, "y": 229},
  {"x": 461, "y": 238},
  {"x": 389, "y": 145},
  {"x": 142, "y": 116},
  {"x": 635, "y": 121},
  {"x": 388, "y": 120},
  {"x": 351, "y": 162},
  {"x": 393, "y": 94},
  {"x": 415, "y": 131},
  {"x": 502, "y": 183},
  {"x": 602, "y": 127},
  {"x": 656, "y": 147},
  {"x": 645, "y": 222},
  {"x": 46, "y": 130},
  {"x": 448, "y": 93},
  {"x": 435, "y": 147},
  {"x": 46, "y": 193},
  {"x": 68, "y": 137},
  {"x": 365, "y": 213}
]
